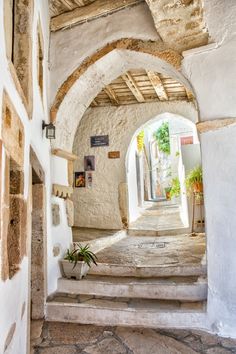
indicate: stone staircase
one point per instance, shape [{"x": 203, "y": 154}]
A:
[
  {"x": 119, "y": 293},
  {"x": 131, "y": 301}
]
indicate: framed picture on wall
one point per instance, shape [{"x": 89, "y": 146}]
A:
[
  {"x": 80, "y": 179},
  {"x": 89, "y": 163}
]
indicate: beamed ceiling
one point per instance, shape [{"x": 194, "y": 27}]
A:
[
  {"x": 140, "y": 86},
  {"x": 67, "y": 13},
  {"x": 179, "y": 23},
  {"x": 58, "y": 7}
]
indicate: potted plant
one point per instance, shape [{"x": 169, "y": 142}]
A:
[
  {"x": 167, "y": 192},
  {"x": 194, "y": 181},
  {"x": 76, "y": 262},
  {"x": 175, "y": 187}
]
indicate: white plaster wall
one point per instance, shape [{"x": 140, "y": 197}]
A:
[
  {"x": 70, "y": 47},
  {"x": 134, "y": 210},
  {"x": 98, "y": 206},
  {"x": 14, "y": 292},
  {"x": 210, "y": 69},
  {"x": 60, "y": 170},
  {"x": 219, "y": 173}
]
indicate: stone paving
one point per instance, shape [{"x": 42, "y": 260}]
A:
[
  {"x": 155, "y": 251},
  {"x": 158, "y": 216},
  {"x": 67, "y": 338}
]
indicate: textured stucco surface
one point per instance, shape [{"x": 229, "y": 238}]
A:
[
  {"x": 98, "y": 206},
  {"x": 79, "y": 42}
]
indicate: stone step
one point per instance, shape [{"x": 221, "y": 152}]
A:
[
  {"x": 125, "y": 312},
  {"x": 117, "y": 270},
  {"x": 149, "y": 232},
  {"x": 100, "y": 243},
  {"x": 182, "y": 289}
]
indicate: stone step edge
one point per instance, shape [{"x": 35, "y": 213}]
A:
[
  {"x": 196, "y": 291},
  {"x": 148, "y": 271},
  {"x": 75, "y": 313},
  {"x": 96, "y": 245},
  {"x": 170, "y": 232}
]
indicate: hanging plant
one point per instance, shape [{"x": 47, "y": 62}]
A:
[
  {"x": 140, "y": 141},
  {"x": 163, "y": 138}
]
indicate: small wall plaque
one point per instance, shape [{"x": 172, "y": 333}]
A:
[
  {"x": 114, "y": 154},
  {"x": 99, "y": 140}
]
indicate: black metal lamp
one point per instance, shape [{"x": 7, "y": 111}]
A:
[{"x": 50, "y": 130}]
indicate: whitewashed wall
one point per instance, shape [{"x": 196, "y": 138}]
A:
[
  {"x": 98, "y": 207},
  {"x": 14, "y": 292},
  {"x": 133, "y": 203}
]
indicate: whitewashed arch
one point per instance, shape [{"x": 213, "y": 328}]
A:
[{"x": 98, "y": 75}]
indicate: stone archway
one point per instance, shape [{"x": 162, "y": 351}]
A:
[{"x": 76, "y": 94}]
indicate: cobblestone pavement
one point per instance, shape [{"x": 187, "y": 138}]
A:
[{"x": 67, "y": 338}]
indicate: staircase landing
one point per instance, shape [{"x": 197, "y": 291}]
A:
[{"x": 158, "y": 218}]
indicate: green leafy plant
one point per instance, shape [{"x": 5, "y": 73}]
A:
[
  {"x": 194, "y": 180},
  {"x": 81, "y": 253},
  {"x": 162, "y": 136},
  {"x": 175, "y": 187}
]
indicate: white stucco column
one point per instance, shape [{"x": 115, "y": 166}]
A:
[{"x": 219, "y": 172}]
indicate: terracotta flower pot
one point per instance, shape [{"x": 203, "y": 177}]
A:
[
  {"x": 198, "y": 187},
  {"x": 167, "y": 191},
  {"x": 69, "y": 271}
]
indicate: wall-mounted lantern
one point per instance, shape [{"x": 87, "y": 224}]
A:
[{"x": 50, "y": 130}]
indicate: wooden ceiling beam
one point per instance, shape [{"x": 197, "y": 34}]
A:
[
  {"x": 67, "y": 4},
  {"x": 157, "y": 85},
  {"x": 90, "y": 12},
  {"x": 133, "y": 87},
  {"x": 111, "y": 94}
]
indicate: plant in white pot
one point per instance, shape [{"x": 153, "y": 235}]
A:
[{"x": 76, "y": 263}]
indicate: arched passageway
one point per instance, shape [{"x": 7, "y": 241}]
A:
[
  {"x": 161, "y": 154},
  {"x": 100, "y": 192}
]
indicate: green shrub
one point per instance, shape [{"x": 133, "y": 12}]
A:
[
  {"x": 175, "y": 187},
  {"x": 163, "y": 138}
]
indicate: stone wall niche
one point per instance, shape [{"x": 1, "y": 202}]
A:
[
  {"x": 18, "y": 15},
  {"x": 14, "y": 206}
]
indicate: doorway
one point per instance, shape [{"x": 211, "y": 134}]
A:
[{"x": 37, "y": 274}]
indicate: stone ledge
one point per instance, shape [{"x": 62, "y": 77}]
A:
[
  {"x": 215, "y": 124},
  {"x": 62, "y": 191},
  {"x": 64, "y": 154}
]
